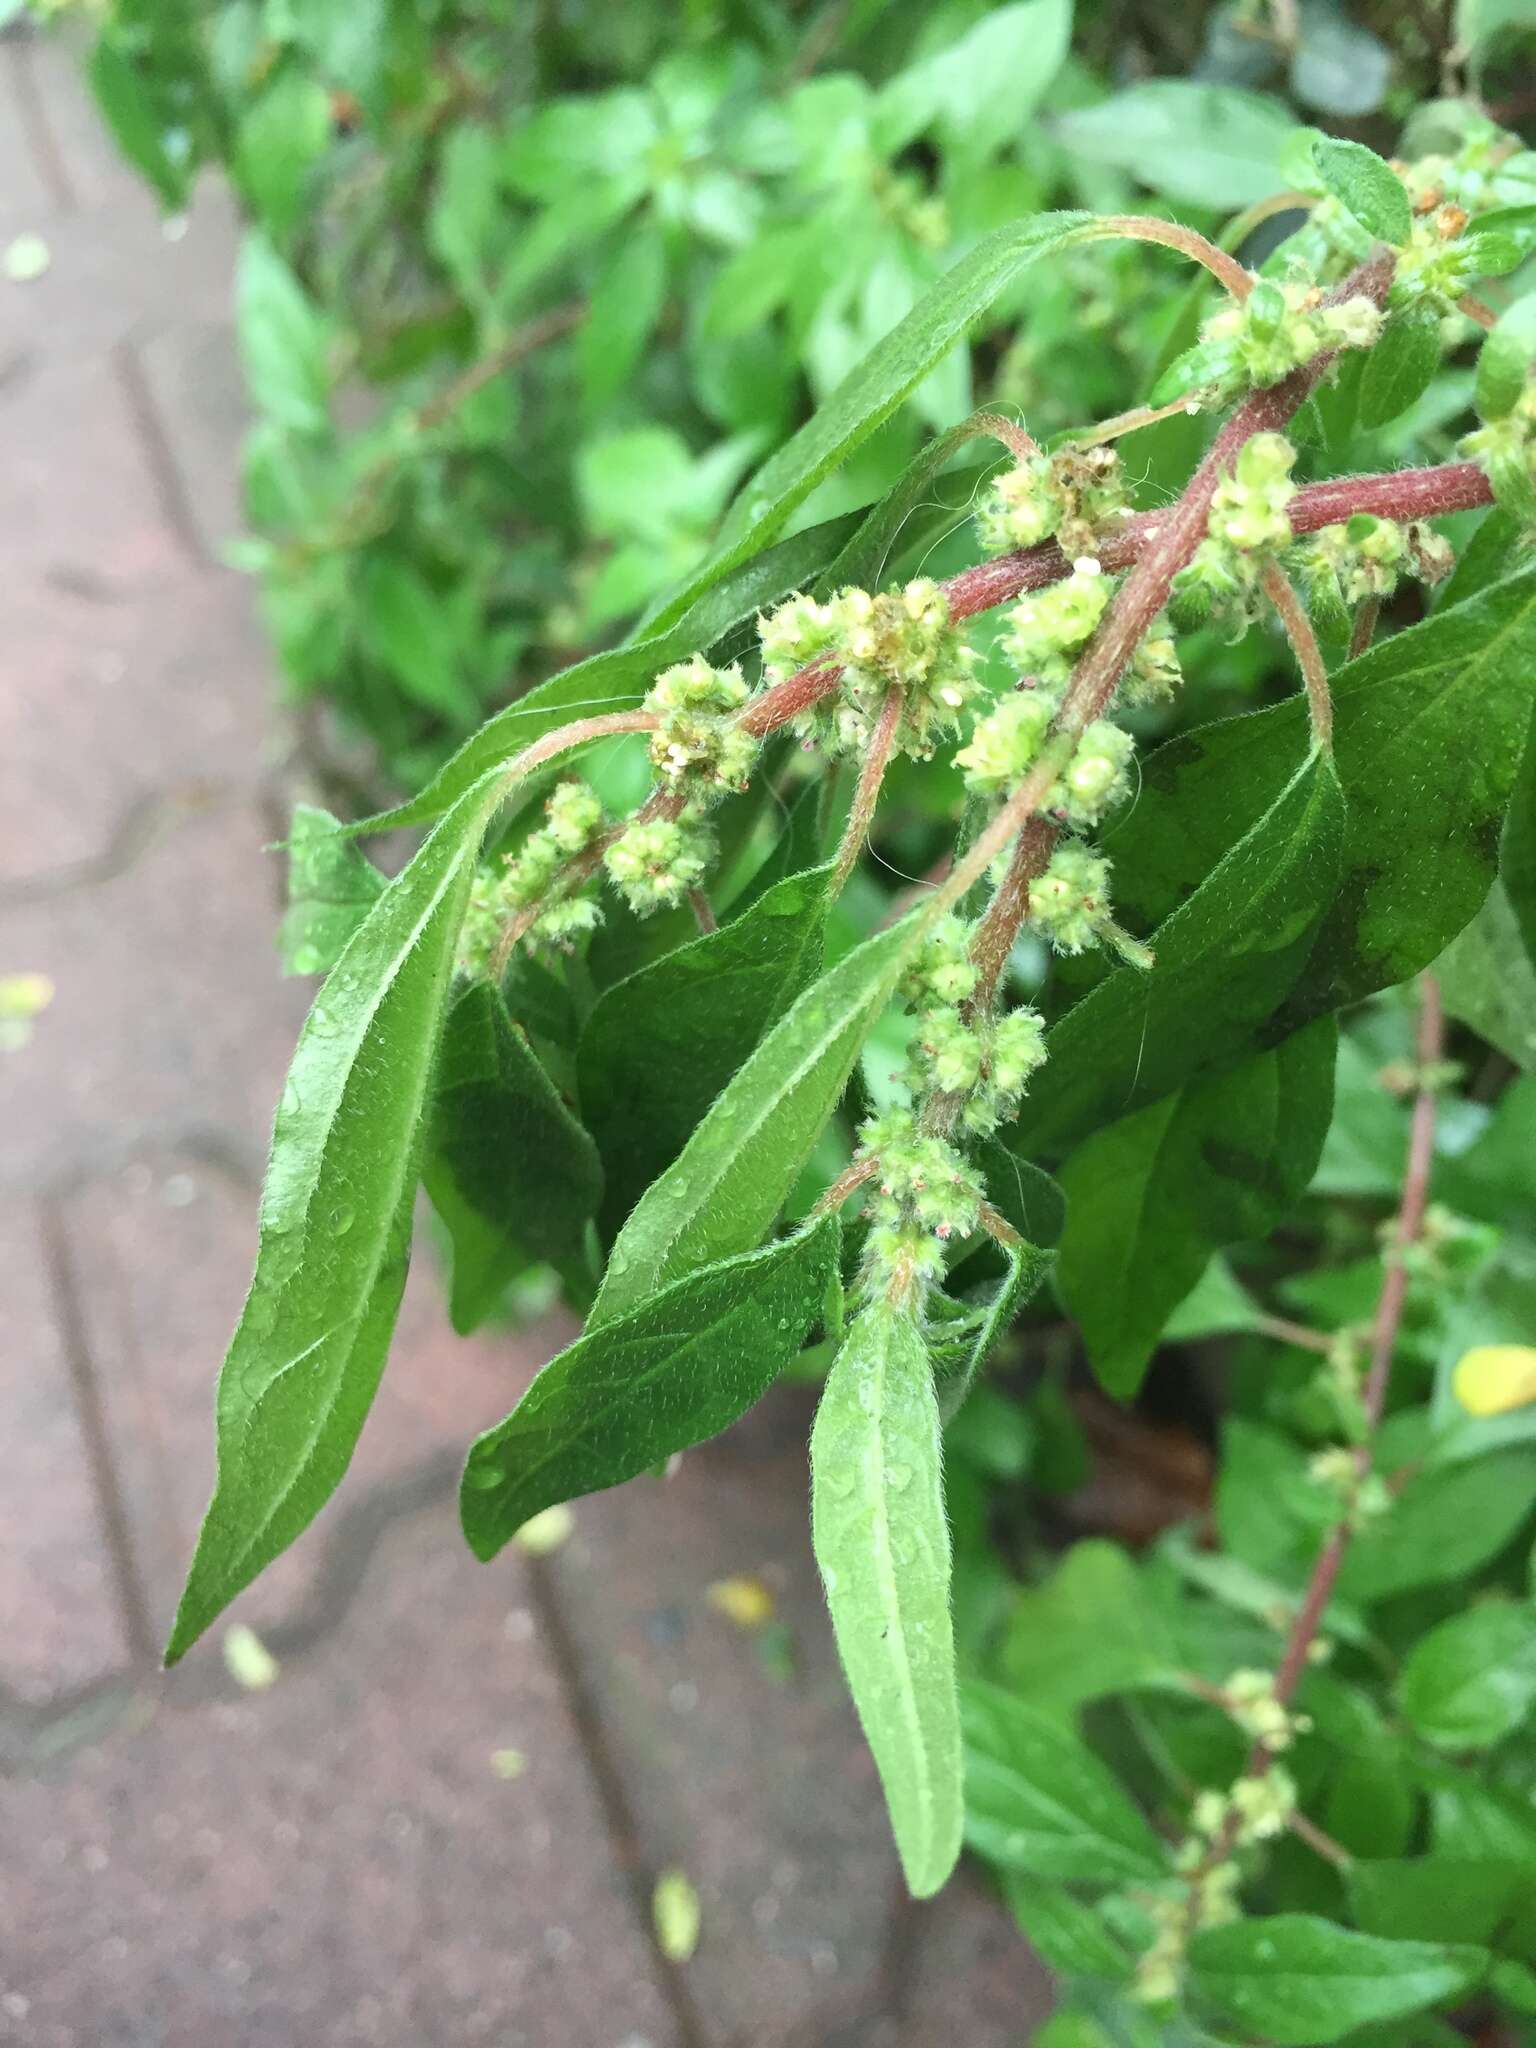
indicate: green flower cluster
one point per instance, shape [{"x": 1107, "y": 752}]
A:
[
  {"x": 1076, "y": 494},
  {"x": 1505, "y": 450},
  {"x": 985, "y": 1058},
  {"x": 1069, "y": 903},
  {"x": 1277, "y": 328},
  {"x": 1005, "y": 745},
  {"x": 573, "y": 818},
  {"x": 699, "y": 746},
  {"x": 1342, "y": 566},
  {"x": 654, "y": 862},
  {"x": 925, "y": 1195},
  {"x": 1047, "y": 628},
  {"x": 1249, "y": 518}
]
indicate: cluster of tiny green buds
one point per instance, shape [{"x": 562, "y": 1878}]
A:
[
  {"x": 1154, "y": 672},
  {"x": 699, "y": 746},
  {"x": 1277, "y": 328},
  {"x": 1047, "y": 628},
  {"x": 1248, "y": 519},
  {"x": 1342, "y": 566},
  {"x": 986, "y": 1058},
  {"x": 925, "y": 1195},
  {"x": 573, "y": 816},
  {"x": 1363, "y": 1497},
  {"x": 942, "y": 971},
  {"x": 654, "y": 862},
  {"x": 1251, "y": 1700},
  {"x": 1069, "y": 902},
  {"x": 1096, "y": 778},
  {"x": 1076, "y": 494},
  {"x": 1255, "y": 1809},
  {"x": 900, "y": 637},
  {"x": 1005, "y": 743},
  {"x": 1438, "y": 261},
  {"x": 1208, "y": 1899},
  {"x": 1021, "y": 507},
  {"x": 1505, "y": 451}
]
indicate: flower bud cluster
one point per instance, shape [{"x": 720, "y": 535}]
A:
[
  {"x": 1438, "y": 262},
  {"x": 1154, "y": 672},
  {"x": 925, "y": 1194},
  {"x": 1069, "y": 903},
  {"x": 1075, "y": 495},
  {"x": 1248, "y": 519},
  {"x": 985, "y": 1058},
  {"x": 654, "y": 862},
  {"x": 1341, "y": 566},
  {"x": 1255, "y": 1809},
  {"x": 1250, "y": 1698},
  {"x": 573, "y": 818},
  {"x": 1505, "y": 450},
  {"x": 900, "y": 637},
  {"x": 1363, "y": 1497},
  {"x": 1047, "y": 628},
  {"x": 699, "y": 747},
  {"x": 1208, "y": 1899},
  {"x": 1277, "y": 328}
]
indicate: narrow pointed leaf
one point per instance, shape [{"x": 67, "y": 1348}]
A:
[
  {"x": 659, "y": 1046},
  {"x": 623, "y": 1398},
  {"x": 1225, "y": 961},
  {"x": 1299, "y": 1980},
  {"x": 335, "y": 1226},
  {"x": 508, "y": 1167},
  {"x": 882, "y": 1542},
  {"x": 724, "y": 1189},
  {"x": 331, "y": 889}
]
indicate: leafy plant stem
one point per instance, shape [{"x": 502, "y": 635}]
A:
[
  {"x": 703, "y": 912},
  {"x": 1129, "y": 422},
  {"x": 1363, "y": 631},
  {"x": 1281, "y": 592},
  {"x": 1168, "y": 234},
  {"x": 867, "y": 794},
  {"x": 1475, "y": 310},
  {"x": 1016, "y": 439}
]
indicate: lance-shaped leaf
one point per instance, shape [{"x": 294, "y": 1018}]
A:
[
  {"x": 617, "y": 679},
  {"x": 335, "y": 1226},
  {"x": 509, "y": 1169},
  {"x": 1225, "y": 960},
  {"x": 873, "y": 389},
  {"x": 1517, "y": 854},
  {"x": 1298, "y": 1980},
  {"x": 623, "y": 1398},
  {"x": 659, "y": 1046},
  {"x": 1488, "y": 978},
  {"x": 1428, "y": 730},
  {"x": 724, "y": 1189},
  {"x": 882, "y": 1542},
  {"x": 331, "y": 889},
  {"x": 1149, "y": 1198},
  {"x": 1038, "y": 1800}
]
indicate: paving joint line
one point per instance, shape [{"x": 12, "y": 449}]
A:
[
  {"x": 140, "y": 827},
  {"x": 51, "y": 163},
  {"x": 165, "y": 471}
]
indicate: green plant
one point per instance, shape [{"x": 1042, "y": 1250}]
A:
[{"x": 637, "y": 1029}]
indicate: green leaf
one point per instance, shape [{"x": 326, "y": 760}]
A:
[
  {"x": 625, "y": 305},
  {"x": 955, "y": 90},
  {"x": 411, "y": 631},
  {"x": 1225, "y": 961},
  {"x": 1038, "y": 1800},
  {"x": 882, "y": 1542},
  {"x": 873, "y": 389},
  {"x": 1365, "y": 186},
  {"x": 1211, "y": 145},
  {"x": 1217, "y": 1304},
  {"x": 1088, "y": 1630},
  {"x": 331, "y": 889},
  {"x": 658, "y": 1047},
  {"x": 509, "y": 1169},
  {"x": 1435, "y": 1898},
  {"x": 732, "y": 1177},
  {"x": 1401, "y": 367},
  {"x": 1429, "y": 726},
  {"x": 1446, "y": 1522},
  {"x": 1488, "y": 978},
  {"x": 468, "y": 220},
  {"x": 1151, "y": 1197},
  {"x": 1300, "y": 1980},
  {"x": 983, "y": 1317},
  {"x": 1517, "y": 850},
  {"x": 620, "y": 1400},
  {"x": 1472, "y": 1681},
  {"x": 1504, "y": 360},
  {"x": 1067, "y": 1935},
  {"x": 282, "y": 135},
  {"x": 138, "y": 125},
  {"x": 335, "y": 1225},
  {"x": 283, "y": 342},
  {"x": 617, "y": 679}
]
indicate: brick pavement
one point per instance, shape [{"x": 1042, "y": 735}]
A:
[{"x": 334, "y": 1859}]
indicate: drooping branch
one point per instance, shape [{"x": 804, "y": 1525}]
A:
[{"x": 1292, "y": 613}]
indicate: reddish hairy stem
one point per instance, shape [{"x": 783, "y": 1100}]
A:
[
  {"x": 1168, "y": 234},
  {"x": 999, "y": 927},
  {"x": 549, "y": 744},
  {"x": 1363, "y": 630},
  {"x": 1292, "y": 613},
  {"x": 871, "y": 775},
  {"x": 703, "y": 912}
]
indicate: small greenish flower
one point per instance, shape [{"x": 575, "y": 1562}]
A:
[
  {"x": 1005, "y": 744},
  {"x": 942, "y": 971},
  {"x": 925, "y": 1195},
  {"x": 1250, "y": 1698},
  {"x": 899, "y": 637},
  {"x": 573, "y": 818},
  {"x": 1154, "y": 672},
  {"x": 566, "y": 920},
  {"x": 654, "y": 862},
  {"x": 1505, "y": 450},
  {"x": 1069, "y": 902},
  {"x": 947, "y": 1052},
  {"x": 699, "y": 745},
  {"x": 1250, "y": 509},
  {"x": 1047, "y": 627},
  {"x": 574, "y": 813},
  {"x": 1280, "y": 326},
  {"x": 1020, "y": 508},
  {"x": 1096, "y": 778},
  {"x": 800, "y": 631}
]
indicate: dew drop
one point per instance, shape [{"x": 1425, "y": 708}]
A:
[
  {"x": 343, "y": 1216},
  {"x": 483, "y": 1476},
  {"x": 292, "y": 1101}
]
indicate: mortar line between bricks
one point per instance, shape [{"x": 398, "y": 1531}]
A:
[
  {"x": 608, "y": 1783},
  {"x": 132, "y": 1600},
  {"x": 165, "y": 471},
  {"x": 51, "y": 162}
]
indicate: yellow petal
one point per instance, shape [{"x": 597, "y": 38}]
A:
[
  {"x": 675, "y": 1910},
  {"x": 1493, "y": 1378},
  {"x": 744, "y": 1600}
]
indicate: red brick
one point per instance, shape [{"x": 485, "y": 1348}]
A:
[
  {"x": 334, "y": 1861},
  {"x": 60, "y": 1625}
]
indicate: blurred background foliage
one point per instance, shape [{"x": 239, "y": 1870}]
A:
[{"x": 529, "y": 290}]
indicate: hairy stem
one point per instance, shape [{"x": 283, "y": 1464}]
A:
[
  {"x": 549, "y": 744},
  {"x": 999, "y": 927},
  {"x": 867, "y": 795},
  {"x": 1292, "y": 613},
  {"x": 1136, "y": 227},
  {"x": 1363, "y": 631},
  {"x": 1016, "y": 439},
  {"x": 703, "y": 912}
]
